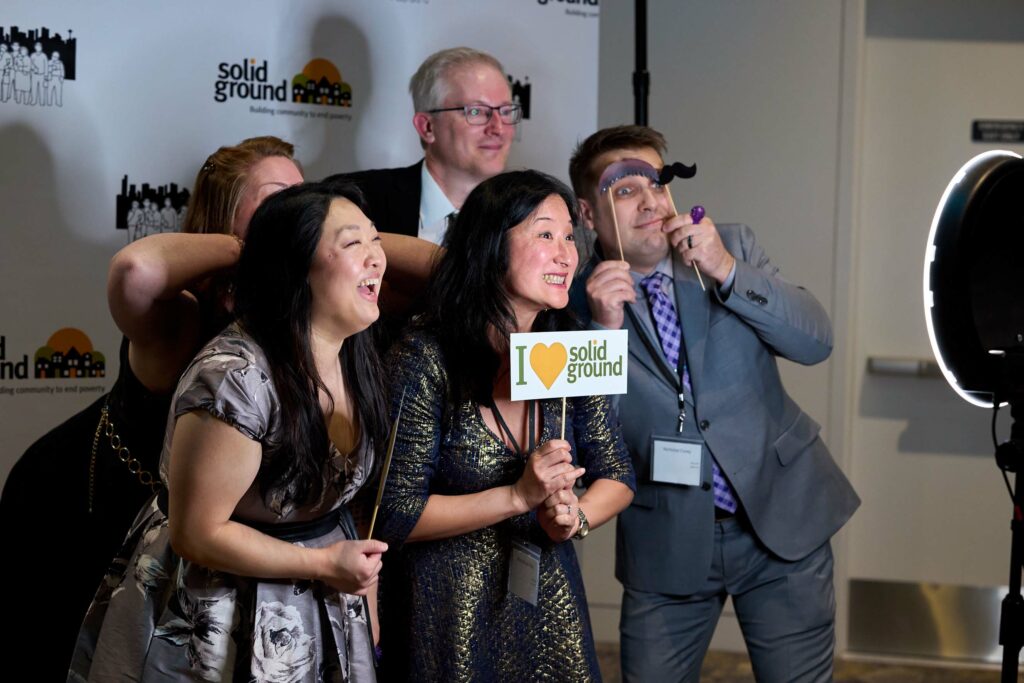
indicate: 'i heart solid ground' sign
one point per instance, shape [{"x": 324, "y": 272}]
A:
[{"x": 560, "y": 364}]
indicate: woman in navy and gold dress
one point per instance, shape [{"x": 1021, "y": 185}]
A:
[{"x": 480, "y": 486}]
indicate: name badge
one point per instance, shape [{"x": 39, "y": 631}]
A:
[
  {"x": 524, "y": 571},
  {"x": 675, "y": 460}
]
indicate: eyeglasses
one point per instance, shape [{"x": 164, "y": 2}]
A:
[{"x": 480, "y": 114}]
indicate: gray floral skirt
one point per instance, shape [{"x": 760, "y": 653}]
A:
[{"x": 157, "y": 617}]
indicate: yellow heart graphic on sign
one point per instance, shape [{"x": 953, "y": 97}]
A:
[{"x": 548, "y": 361}]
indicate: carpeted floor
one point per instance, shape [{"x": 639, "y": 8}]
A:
[{"x": 734, "y": 667}]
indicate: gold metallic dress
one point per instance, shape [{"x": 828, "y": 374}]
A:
[{"x": 447, "y": 614}]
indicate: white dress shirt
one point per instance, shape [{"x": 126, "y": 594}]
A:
[{"x": 434, "y": 208}]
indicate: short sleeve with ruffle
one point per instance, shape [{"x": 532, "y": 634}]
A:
[{"x": 228, "y": 380}]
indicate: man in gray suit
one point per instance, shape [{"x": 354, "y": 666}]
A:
[{"x": 738, "y": 495}]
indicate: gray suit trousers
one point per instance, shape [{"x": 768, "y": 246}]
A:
[{"x": 786, "y": 610}]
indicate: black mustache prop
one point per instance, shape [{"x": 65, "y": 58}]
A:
[{"x": 676, "y": 170}]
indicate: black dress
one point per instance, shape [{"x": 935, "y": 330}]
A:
[
  {"x": 65, "y": 511},
  {"x": 447, "y": 614}
]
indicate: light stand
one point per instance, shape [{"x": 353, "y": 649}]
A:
[
  {"x": 974, "y": 309},
  {"x": 1010, "y": 458},
  {"x": 641, "y": 77}
]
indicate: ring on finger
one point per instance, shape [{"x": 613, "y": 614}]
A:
[{"x": 689, "y": 242}]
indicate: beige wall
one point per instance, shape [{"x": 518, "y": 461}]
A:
[
  {"x": 935, "y": 507},
  {"x": 750, "y": 92},
  {"x": 832, "y": 133}
]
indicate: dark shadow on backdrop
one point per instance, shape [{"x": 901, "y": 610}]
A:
[
  {"x": 47, "y": 267},
  {"x": 341, "y": 42},
  {"x": 44, "y": 266}
]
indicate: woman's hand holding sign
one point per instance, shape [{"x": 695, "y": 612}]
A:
[{"x": 548, "y": 469}]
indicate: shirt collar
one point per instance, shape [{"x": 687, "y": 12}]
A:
[
  {"x": 434, "y": 204},
  {"x": 664, "y": 267}
]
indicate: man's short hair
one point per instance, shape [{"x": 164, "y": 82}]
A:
[
  {"x": 581, "y": 171},
  {"x": 429, "y": 85}
]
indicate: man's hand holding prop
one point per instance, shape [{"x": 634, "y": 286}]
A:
[{"x": 638, "y": 167}]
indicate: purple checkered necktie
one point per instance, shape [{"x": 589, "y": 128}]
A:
[{"x": 666, "y": 320}]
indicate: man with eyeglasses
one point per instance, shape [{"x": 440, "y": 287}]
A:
[
  {"x": 737, "y": 495},
  {"x": 465, "y": 118}
]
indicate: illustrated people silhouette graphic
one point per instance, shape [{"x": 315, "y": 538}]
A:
[
  {"x": 55, "y": 81},
  {"x": 180, "y": 221},
  {"x": 6, "y": 69},
  {"x": 22, "y": 77},
  {"x": 168, "y": 216},
  {"x": 135, "y": 221},
  {"x": 39, "y": 64},
  {"x": 151, "y": 220}
]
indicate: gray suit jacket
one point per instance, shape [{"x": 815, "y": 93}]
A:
[{"x": 793, "y": 492}]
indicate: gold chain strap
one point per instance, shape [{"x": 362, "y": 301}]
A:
[{"x": 106, "y": 428}]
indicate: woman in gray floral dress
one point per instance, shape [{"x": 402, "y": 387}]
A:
[{"x": 248, "y": 568}]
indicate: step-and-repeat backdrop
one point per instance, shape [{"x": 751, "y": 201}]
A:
[{"x": 105, "y": 104}]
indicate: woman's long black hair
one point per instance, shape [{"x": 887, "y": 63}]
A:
[
  {"x": 273, "y": 301},
  {"x": 467, "y": 295}
]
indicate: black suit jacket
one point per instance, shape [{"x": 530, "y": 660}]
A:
[{"x": 392, "y": 196}]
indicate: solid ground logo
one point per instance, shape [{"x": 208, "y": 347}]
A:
[
  {"x": 34, "y": 65},
  {"x": 12, "y": 369},
  {"x": 557, "y": 364},
  {"x": 319, "y": 82},
  {"x": 248, "y": 81},
  {"x": 150, "y": 210},
  {"x": 585, "y": 360},
  {"x": 68, "y": 354},
  {"x": 588, "y": 9}
]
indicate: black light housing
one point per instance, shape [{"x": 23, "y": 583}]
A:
[{"x": 974, "y": 278}]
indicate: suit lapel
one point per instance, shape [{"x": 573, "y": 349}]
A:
[
  {"x": 407, "y": 209},
  {"x": 694, "y": 309},
  {"x": 647, "y": 349}
]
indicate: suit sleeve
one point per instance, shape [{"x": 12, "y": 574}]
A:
[{"x": 787, "y": 317}]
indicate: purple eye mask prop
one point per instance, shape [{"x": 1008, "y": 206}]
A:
[
  {"x": 638, "y": 167},
  {"x": 624, "y": 168}
]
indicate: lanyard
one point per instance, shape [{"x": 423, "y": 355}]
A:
[
  {"x": 508, "y": 432},
  {"x": 674, "y": 380}
]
